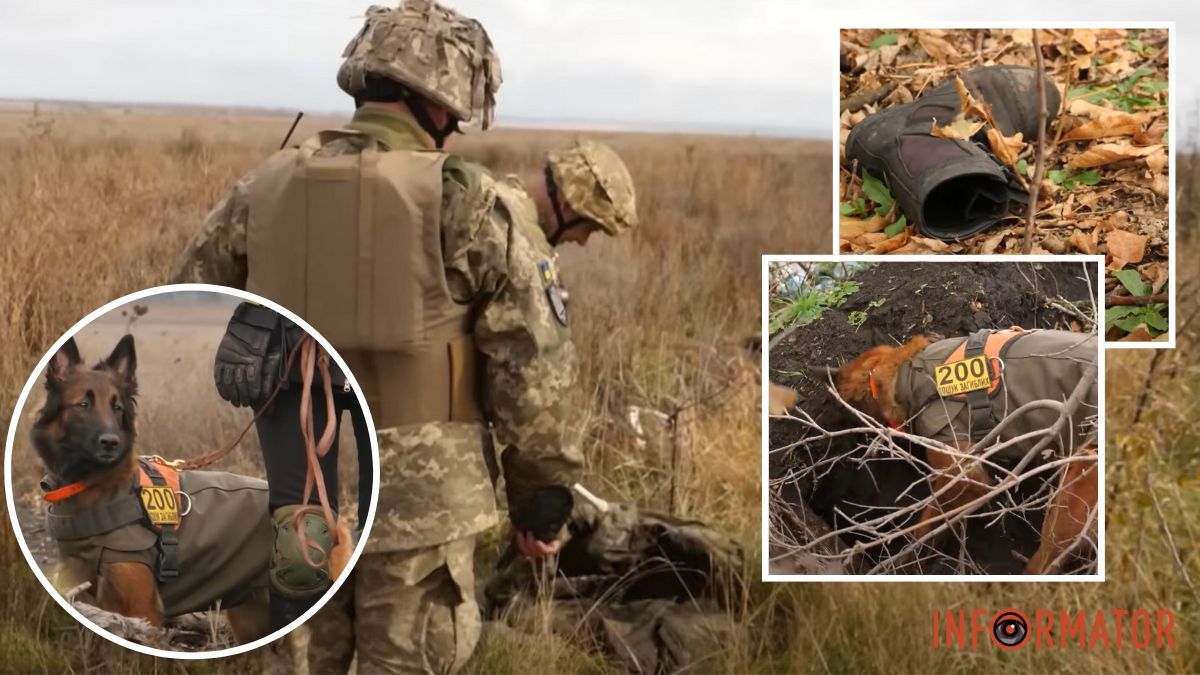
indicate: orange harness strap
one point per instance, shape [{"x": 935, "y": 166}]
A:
[
  {"x": 158, "y": 472},
  {"x": 991, "y": 349}
]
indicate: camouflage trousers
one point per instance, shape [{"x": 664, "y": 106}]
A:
[{"x": 402, "y": 612}]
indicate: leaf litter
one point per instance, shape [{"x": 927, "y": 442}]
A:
[{"x": 1106, "y": 185}]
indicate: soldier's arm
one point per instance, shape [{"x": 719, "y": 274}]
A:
[
  {"x": 530, "y": 362},
  {"x": 217, "y": 254}
]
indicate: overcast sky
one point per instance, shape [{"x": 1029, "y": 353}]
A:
[{"x": 753, "y": 65}]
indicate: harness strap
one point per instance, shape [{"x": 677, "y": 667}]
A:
[
  {"x": 978, "y": 400},
  {"x": 167, "y": 566},
  {"x": 94, "y": 521}
]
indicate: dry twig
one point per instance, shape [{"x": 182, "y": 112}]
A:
[{"x": 1040, "y": 156}]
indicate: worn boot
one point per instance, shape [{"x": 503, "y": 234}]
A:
[
  {"x": 950, "y": 188},
  {"x": 282, "y": 610}
]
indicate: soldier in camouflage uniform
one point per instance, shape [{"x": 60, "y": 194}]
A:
[
  {"x": 464, "y": 333},
  {"x": 566, "y": 206}
]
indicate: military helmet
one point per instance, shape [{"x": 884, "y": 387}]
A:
[
  {"x": 433, "y": 50},
  {"x": 595, "y": 182}
]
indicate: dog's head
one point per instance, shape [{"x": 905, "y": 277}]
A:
[
  {"x": 87, "y": 426},
  {"x": 880, "y": 364}
]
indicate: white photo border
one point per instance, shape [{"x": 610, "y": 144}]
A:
[
  {"x": 765, "y": 450},
  {"x": 18, "y": 411},
  {"x": 1172, "y": 142}
]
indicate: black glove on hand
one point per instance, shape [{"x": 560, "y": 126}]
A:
[
  {"x": 544, "y": 512},
  {"x": 246, "y": 370}
]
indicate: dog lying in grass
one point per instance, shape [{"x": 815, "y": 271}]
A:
[{"x": 152, "y": 541}]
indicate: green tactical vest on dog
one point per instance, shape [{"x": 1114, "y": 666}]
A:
[
  {"x": 224, "y": 538},
  {"x": 1031, "y": 365}
]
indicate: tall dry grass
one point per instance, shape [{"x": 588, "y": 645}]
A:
[
  {"x": 88, "y": 213},
  {"x": 94, "y": 205}
]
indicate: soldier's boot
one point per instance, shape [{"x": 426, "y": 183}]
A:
[{"x": 951, "y": 188}]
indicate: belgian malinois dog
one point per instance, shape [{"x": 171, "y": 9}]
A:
[
  {"x": 86, "y": 434},
  {"x": 869, "y": 383}
]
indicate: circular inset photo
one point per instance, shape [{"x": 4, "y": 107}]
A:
[{"x": 191, "y": 471}]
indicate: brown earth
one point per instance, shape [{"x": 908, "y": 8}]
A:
[{"x": 949, "y": 299}]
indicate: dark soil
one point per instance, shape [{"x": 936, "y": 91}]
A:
[{"x": 945, "y": 298}]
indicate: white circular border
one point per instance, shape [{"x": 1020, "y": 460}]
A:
[{"x": 12, "y": 432}]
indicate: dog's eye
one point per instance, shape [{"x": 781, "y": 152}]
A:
[
  {"x": 84, "y": 404},
  {"x": 116, "y": 407}
]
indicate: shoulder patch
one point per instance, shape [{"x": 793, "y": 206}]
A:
[{"x": 554, "y": 292}]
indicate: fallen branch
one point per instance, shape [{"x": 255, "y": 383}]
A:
[
  {"x": 1066, "y": 307},
  {"x": 1113, "y": 300},
  {"x": 140, "y": 631},
  {"x": 862, "y": 98}
]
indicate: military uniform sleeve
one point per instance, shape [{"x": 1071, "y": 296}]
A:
[
  {"x": 530, "y": 362},
  {"x": 217, "y": 254}
]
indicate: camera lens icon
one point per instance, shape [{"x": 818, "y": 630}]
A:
[{"x": 1009, "y": 629}]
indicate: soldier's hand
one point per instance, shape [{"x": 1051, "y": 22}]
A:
[
  {"x": 530, "y": 547},
  {"x": 243, "y": 369}
]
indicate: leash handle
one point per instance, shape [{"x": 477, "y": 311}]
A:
[
  {"x": 204, "y": 460},
  {"x": 310, "y": 360},
  {"x": 314, "y": 450}
]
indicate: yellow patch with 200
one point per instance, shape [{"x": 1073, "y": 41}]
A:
[
  {"x": 960, "y": 377},
  {"x": 161, "y": 505}
]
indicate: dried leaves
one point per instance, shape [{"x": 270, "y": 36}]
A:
[
  {"x": 1106, "y": 186},
  {"x": 1107, "y": 153}
]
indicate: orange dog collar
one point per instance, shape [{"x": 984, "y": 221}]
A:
[{"x": 65, "y": 492}]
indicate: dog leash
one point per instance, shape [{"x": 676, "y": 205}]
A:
[
  {"x": 307, "y": 351},
  {"x": 204, "y": 460},
  {"x": 315, "y": 450}
]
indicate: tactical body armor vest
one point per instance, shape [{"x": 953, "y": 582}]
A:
[
  {"x": 352, "y": 243},
  {"x": 1022, "y": 366}
]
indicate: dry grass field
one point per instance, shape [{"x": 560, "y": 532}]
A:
[{"x": 96, "y": 204}]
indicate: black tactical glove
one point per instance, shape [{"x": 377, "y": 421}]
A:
[
  {"x": 247, "y": 363},
  {"x": 544, "y": 512}
]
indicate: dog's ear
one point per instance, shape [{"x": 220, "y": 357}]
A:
[
  {"x": 62, "y": 363},
  {"x": 123, "y": 360},
  {"x": 852, "y": 379}
]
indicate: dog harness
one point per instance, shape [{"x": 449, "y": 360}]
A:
[
  {"x": 972, "y": 373},
  {"x": 152, "y": 501},
  {"x": 1021, "y": 367}
]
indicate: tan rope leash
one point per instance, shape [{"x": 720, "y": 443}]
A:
[
  {"x": 311, "y": 360},
  {"x": 307, "y": 351}
]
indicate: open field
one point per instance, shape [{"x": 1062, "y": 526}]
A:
[
  {"x": 94, "y": 208},
  {"x": 99, "y": 201}
]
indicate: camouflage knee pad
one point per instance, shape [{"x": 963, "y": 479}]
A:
[{"x": 291, "y": 575}]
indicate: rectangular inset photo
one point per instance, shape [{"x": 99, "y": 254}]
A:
[
  {"x": 932, "y": 419},
  {"x": 1016, "y": 140}
]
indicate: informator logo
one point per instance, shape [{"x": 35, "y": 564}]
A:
[
  {"x": 1012, "y": 629},
  {"x": 1009, "y": 629}
]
